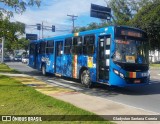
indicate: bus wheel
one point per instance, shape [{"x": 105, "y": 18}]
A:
[
  {"x": 44, "y": 69},
  {"x": 85, "y": 79}
]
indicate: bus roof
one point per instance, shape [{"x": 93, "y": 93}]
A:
[{"x": 99, "y": 30}]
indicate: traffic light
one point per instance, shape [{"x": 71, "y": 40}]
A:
[
  {"x": 38, "y": 26},
  {"x": 53, "y": 28}
]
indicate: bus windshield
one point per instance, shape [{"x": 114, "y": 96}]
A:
[{"x": 130, "y": 51}]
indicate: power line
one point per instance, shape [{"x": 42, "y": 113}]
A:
[
  {"x": 41, "y": 28},
  {"x": 73, "y": 18}
]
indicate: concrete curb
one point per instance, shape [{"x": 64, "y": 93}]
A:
[{"x": 15, "y": 75}]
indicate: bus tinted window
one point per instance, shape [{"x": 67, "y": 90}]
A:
[
  {"x": 68, "y": 42},
  {"x": 77, "y": 45},
  {"x": 50, "y": 47},
  {"x": 68, "y": 46},
  {"x": 88, "y": 44},
  {"x": 42, "y": 47},
  {"x": 50, "y": 43}
]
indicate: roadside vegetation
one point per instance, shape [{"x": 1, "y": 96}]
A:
[
  {"x": 5, "y": 69},
  {"x": 19, "y": 99},
  {"x": 155, "y": 65}
]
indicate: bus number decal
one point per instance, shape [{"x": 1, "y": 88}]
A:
[{"x": 130, "y": 59}]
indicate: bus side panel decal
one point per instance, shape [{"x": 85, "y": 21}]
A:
[
  {"x": 74, "y": 66},
  {"x": 90, "y": 62}
]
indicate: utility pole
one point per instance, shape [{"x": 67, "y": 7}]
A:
[
  {"x": 42, "y": 29},
  {"x": 73, "y": 17}
]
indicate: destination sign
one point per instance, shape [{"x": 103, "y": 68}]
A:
[{"x": 131, "y": 33}]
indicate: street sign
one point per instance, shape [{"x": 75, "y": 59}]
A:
[
  {"x": 31, "y": 36},
  {"x": 100, "y": 12}
]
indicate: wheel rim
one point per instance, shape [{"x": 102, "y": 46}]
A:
[
  {"x": 43, "y": 70},
  {"x": 85, "y": 79}
]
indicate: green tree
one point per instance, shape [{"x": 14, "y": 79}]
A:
[
  {"x": 80, "y": 29},
  {"x": 17, "y": 6},
  {"x": 20, "y": 44},
  {"x": 91, "y": 26},
  {"x": 125, "y": 10},
  {"x": 121, "y": 10},
  {"x": 24, "y": 44},
  {"x": 137, "y": 5},
  {"x": 12, "y": 30},
  {"x": 148, "y": 19}
]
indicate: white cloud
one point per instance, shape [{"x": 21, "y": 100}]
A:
[{"x": 54, "y": 12}]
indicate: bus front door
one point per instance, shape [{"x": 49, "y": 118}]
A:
[
  {"x": 58, "y": 57},
  {"x": 33, "y": 53},
  {"x": 103, "y": 58}
]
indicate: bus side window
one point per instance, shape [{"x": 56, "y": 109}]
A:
[
  {"x": 42, "y": 47},
  {"x": 68, "y": 46},
  {"x": 77, "y": 45},
  {"x": 108, "y": 43},
  {"x": 50, "y": 47},
  {"x": 88, "y": 45}
]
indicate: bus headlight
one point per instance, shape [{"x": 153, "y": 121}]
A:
[
  {"x": 118, "y": 73},
  {"x": 121, "y": 75}
]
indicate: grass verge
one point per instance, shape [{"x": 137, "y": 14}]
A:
[
  {"x": 155, "y": 65},
  {"x": 19, "y": 99},
  {"x": 5, "y": 69}
]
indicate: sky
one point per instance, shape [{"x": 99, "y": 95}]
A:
[{"x": 54, "y": 12}]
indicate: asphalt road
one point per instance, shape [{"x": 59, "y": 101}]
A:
[{"x": 146, "y": 97}]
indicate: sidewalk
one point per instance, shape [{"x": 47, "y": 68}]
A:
[{"x": 97, "y": 105}]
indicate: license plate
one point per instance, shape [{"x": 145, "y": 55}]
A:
[{"x": 137, "y": 81}]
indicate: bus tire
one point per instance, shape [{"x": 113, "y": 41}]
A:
[
  {"x": 85, "y": 79},
  {"x": 44, "y": 70}
]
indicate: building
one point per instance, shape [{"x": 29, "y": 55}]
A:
[{"x": 154, "y": 56}]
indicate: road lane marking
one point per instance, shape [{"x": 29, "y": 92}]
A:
[{"x": 65, "y": 85}]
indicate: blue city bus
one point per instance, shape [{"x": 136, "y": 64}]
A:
[{"x": 113, "y": 55}]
